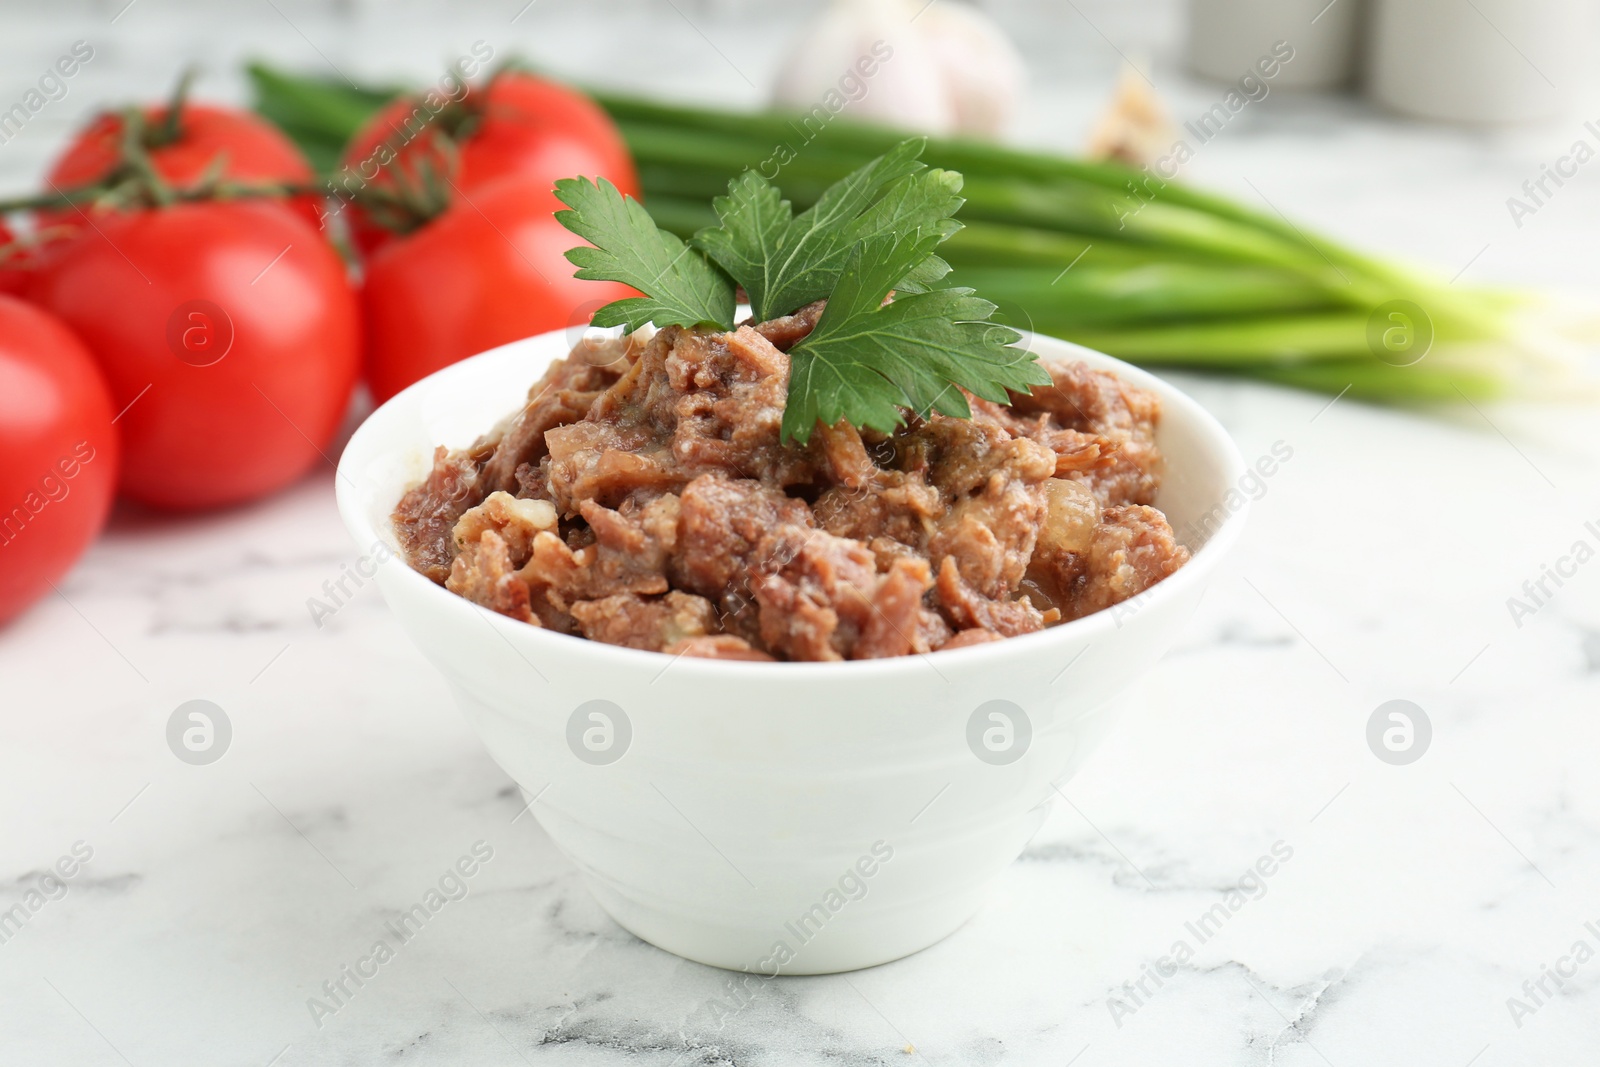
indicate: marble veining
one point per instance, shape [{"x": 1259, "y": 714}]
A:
[{"x": 1418, "y": 905}]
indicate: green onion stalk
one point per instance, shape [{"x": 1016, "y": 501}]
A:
[{"x": 1151, "y": 271}]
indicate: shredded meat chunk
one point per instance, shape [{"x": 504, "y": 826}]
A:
[
  {"x": 900, "y": 623},
  {"x": 1120, "y": 415},
  {"x": 961, "y": 489},
  {"x": 719, "y": 646},
  {"x": 1132, "y": 549},
  {"x": 814, "y": 592},
  {"x": 652, "y": 623},
  {"x": 563, "y": 395},
  {"x": 484, "y": 574},
  {"x": 787, "y": 331},
  {"x": 426, "y": 517},
  {"x": 628, "y": 554},
  {"x": 693, "y": 403},
  {"x": 642, "y": 497},
  {"x": 517, "y": 522},
  {"x": 966, "y": 608},
  {"x": 975, "y": 636},
  {"x": 723, "y": 524}
]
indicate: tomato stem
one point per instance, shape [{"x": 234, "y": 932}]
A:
[
  {"x": 138, "y": 160},
  {"x": 170, "y": 131},
  {"x": 111, "y": 190}
]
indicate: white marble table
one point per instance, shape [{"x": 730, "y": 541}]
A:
[{"x": 1415, "y": 900}]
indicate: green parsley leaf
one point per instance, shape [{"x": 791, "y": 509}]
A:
[
  {"x": 924, "y": 277},
  {"x": 755, "y": 218},
  {"x": 681, "y": 287},
  {"x": 866, "y": 361},
  {"x": 785, "y": 261}
]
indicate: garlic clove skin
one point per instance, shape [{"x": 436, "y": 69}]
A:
[
  {"x": 907, "y": 88},
  {"x": 1135, "y": 128},
  {"x": 981, "y": 69}
]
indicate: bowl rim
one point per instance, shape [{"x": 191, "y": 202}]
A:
[{"x": 1063, "y": 635}]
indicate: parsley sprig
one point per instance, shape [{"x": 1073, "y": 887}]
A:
[
  {"x": 681, "y": 287},
  {"x": 866, "y": 360},
  {"x": 872, "y": 233},
  {"x": 785, "y": 262}
]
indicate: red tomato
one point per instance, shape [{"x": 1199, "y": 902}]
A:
[
  {"x": 518, "y": 125},
  {"x": 14, "y": 261},
  {"x": 229, "y": 331},
  {"x": 20, "y": 257},
  {"x": 256, "y": 151},
  {"x": 58, "y": 453},
  {"x": 487, "y": 271}
]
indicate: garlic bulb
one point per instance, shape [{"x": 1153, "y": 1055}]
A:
[
  {"x": 939, "y": 68},
  {"x": 982, "y": 70}
]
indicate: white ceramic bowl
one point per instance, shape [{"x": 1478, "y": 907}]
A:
[{"x": 802, "y": 817}]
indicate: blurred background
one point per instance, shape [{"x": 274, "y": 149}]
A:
[
  {"x": 1380, "y": 564},
  {"x": 1358, "y": 169}
]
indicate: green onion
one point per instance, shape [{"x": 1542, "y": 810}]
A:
[
  {"x": 320, "y": 116},
  {"x": 1154, "y": 272}
]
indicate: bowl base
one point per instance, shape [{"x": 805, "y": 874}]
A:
[{"x": 842, "y": 945}]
